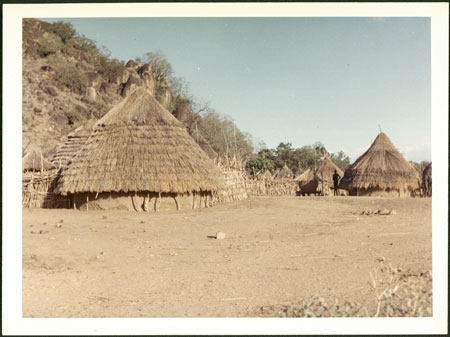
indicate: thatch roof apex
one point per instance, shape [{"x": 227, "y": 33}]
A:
[
  {"x": 284, "y": 173},
  {"x": 139, "y": 108}
]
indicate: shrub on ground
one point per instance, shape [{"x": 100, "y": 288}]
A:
[
  {"x": 64, "y": 30},
  {"x": 111, "y": 69},
  {"x": 49, "y": 44}
]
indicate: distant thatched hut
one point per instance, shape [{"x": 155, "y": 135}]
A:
[
  {"x": 266, "y": 175},
  {"x": 139, "y": 153},
  {"x": 75, "y": 140},
  {"x": 38, "y": 178},
  {"x": 34, "y": 161},
  {"x": 284, "y": 173},
  {"x": 298, "y": 172},
  {"x": 307, "y": 182},
  {"x": 325, "y": 173},
  {"x": 381, "y": 171}
]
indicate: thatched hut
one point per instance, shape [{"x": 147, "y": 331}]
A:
[
  {"x": 75, "y": 140},
  {"x": 284, "y": 173},
  {"x": 325, "y": 173},
  {"x": 298, "y": 172},
  {"x": 381, "y": 171},
  {"x": 140, "y": 154},
  {"x": 266, "y": 175},
  {"x": 427, "y": 181},
  {"x": 34, "y": 161},
  {"x": 308, "y": 182}
]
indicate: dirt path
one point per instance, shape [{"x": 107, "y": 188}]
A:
[{"x": 277, "y": 250}]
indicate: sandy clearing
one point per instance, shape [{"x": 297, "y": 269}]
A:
[{"x": 277, "y": 250}]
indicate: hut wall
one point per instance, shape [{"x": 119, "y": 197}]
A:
[
  {"x": 37, "y": 190},
  {"x": 141, "y": 201},
  {"x": 380, "y": 193},
  {"x": 272, "y": 187}
]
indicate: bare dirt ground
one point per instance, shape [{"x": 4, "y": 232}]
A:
[{"x": 277, "y": 250}]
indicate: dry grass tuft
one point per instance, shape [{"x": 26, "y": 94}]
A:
[
  {"x": 398, "y": 293},
  {"x": 318, "y": 307},
  {"x": 402, "y": 293}
]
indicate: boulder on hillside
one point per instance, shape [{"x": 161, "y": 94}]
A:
[{"x": 132, "y": 83}]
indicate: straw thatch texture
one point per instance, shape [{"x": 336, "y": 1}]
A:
[
  {"x": 75, "y": 140},
  {"x": 308, "y": 182},
  {"x": 33, "y": 161},
  {"x": 284, "y": 173},
  {"x": 266, "y": 175},
  {"x": 234, "y": 176},
  {"x": 381, "y": 170},
  {"x": 298, "y": 172},
  {"x": 204, "y": 145},
  {"x": 140, "y": 146}
]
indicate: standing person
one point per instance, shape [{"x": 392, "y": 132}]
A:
[{"x": 336, "y": 178}]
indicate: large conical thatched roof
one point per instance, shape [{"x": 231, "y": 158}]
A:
[
  {"x": 33, "y": 161},
  {"x": 381, "y": 167},
  {"x": 327, "y": 168},
  {"x": 140, "y": 146},
  {"x": 75, "y": 141}
]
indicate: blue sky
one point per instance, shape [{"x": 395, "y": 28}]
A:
[{"x": 297, "y": 80}]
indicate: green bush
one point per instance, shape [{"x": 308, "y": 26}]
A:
[
  {"x": 64, "y": 30},
  {"x": 49, "y": 44},
  {"x": 67, "y": 74},
  {"x": 84, "y": 43}
]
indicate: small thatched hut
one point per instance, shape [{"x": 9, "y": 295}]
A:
[
  {"x": 266, "y": 175},
  {"x": 139, "y": 153},
  {"x": 427, "y": 181},
  {"x": 308, "y": 182},
  {"x": 34, "y": 161},
  {"x": 381, "y": 171},
  {"x": 75, "y": 140},
  {"x": 298, "y": 172},
  {"x": 325, "y": 173},
  {"x": 284, "y": 173}
]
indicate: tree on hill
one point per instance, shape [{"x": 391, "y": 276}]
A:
[
  {"x": 224, "y": 136},
  {"x": 64, "y": 30}
]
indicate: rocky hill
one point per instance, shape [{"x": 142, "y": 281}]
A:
[{"x": 67, "y": 80}]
